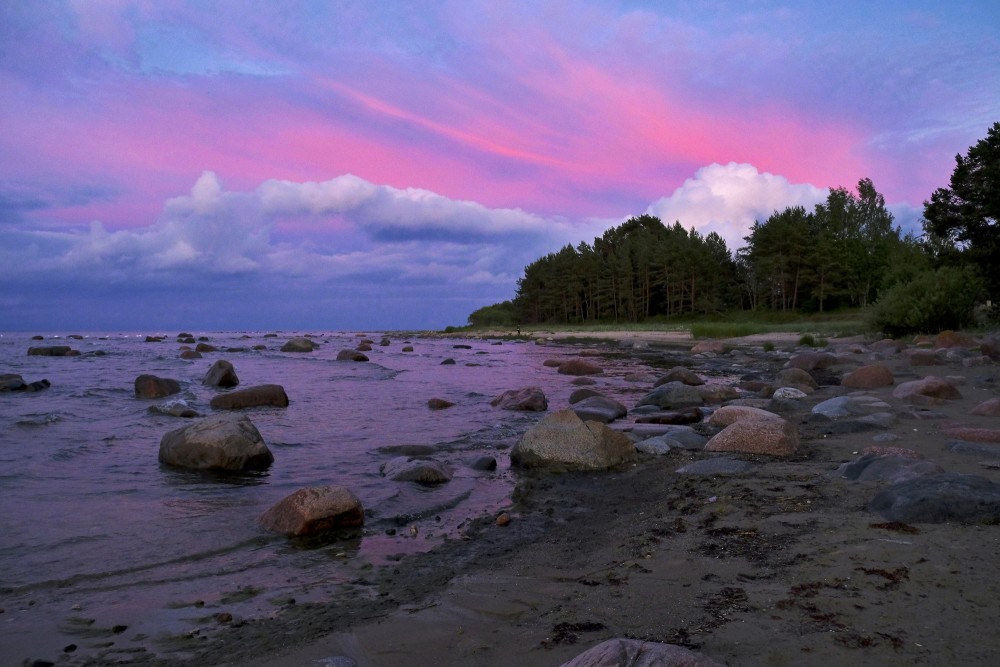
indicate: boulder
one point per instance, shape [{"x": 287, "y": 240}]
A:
[
  {"x": 151, "y": 386},
  {"x": 796, "y": 376},
  {"x": 868, "y": 377},
  {"x": 314, "y": 510},
  {"x": 351, "y": 355},
  {"x": 774, "y": 437},
  {"x": 673, "y": 395},
  {"x": 11, "y": 382},
  {"x": 251, "y": 397},
  {"x": 888, "y": 467},
  {"x": 990, "y": 348},
  {"x": 219, "y": 442},
  {"x": 420, "y": 470},
  {"x": 52, "y": 351},
  {"x": 940, "y": 498},
  {"x": 711, "y": 346},
  {"x": 730, "y": 414},
  {"x": 563, "y": 441},
  {"x": 812, "y": 361},
  {"x": 680, "y": 374},
  {"x": 657, "y": 445},
  {"x": 949, "y": 339},
  {"x": 639, "y": 653},
  {"x": 988, "y": 408},
  {"x": 887, "y": 346},
  {"x": 929, "y": 387},
  {"x": 841, "y": 407},
  {"x": 579, "y": 367},
  {"x": 599, "y": 408},
  {"x": 713, "y": 394},
  {"x": 299, "y": 344},
  {"x": 439, "y": 404},
  {"x": 970, "y": 434},
  {"x": 221, "y": 374},
  {"x": 788, "y": 393},
  {"x": 529, "y": 399},
  {"x": 580, "y": 394},
  {"x": 448, "y": 362},
  {"x": 205, "y": 347},
  {"x": 684, "y": 416},
  {"x": 484, "y": 463},
  {"x": 190, "y": 354},
  {"x": 175, "y": 408},
  {"x": 923, "y": 358}
]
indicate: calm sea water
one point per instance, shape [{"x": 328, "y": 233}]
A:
[{"x": 97, "y": 536}]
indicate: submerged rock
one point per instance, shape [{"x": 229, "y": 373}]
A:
[
  {"x": 422, "y": 471},
  {"x": 219, "y": 442},
  {"x": 251, "y": 397},
  {"x": 314, "y": 510},
  {"x": 351, "y": 355},
  {"x": 563, "y": 441},
  {"x": 53, "y": 351}
]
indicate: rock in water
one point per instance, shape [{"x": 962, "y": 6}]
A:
[
  {"x": 940, "y": 498},
  {"x": 221, "y": 374},
  {"x": 562, "y": 441},
  {"x": 351, "y": 355},
  {"x": 251, "y": 397},
  {"x": 314, "y": 510},
  {"x": 422, "y": 471},
  {"x": 638, "y": 653},
  {"x": 579, "y": 367},
  {"x": 150, "y": 386},
  {"x": 300, "y": 344},
  {"x": 220, "y": 442},
  {"x": 599, "y": 408},
  {"x": 530, "y": 399}
]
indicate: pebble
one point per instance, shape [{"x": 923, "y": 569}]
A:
[{"x": 503, "y": 519}]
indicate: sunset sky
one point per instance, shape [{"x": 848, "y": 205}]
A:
[{"x": 385, "y": 165}]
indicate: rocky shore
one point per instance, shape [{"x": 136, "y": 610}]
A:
[{"x": 757, "y": 505}]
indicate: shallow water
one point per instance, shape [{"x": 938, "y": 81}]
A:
[{"x": 100, "y": 543}]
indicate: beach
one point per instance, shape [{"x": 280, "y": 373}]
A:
[{"x": 781, "y": 563}]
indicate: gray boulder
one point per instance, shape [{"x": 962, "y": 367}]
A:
[
  {"x": 673, "y": 395},
  {"x": 300, "y": 344},
  {"x": 219, "y": 442},
  {"x": 563, "y": 441},
  {"x": 422, "y": 471},
  {"x": 887, "y": 468},
  {"x": 314, "y": 510},
  {"x": 940, "y": 498},
  {"x": 722, "y": 465},
  {"x": 599, "y": 408},
  {"x": 221, "y": 374}
]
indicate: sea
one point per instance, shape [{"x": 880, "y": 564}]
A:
[{"x": 103, "y": 546}]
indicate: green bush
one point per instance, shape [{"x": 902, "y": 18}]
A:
[
  {"x": 931, "y": 302},
  {"x": 807, "y": 339},
  {"x": 768, "y": 346},
  {"x": 500, "y": 315}
]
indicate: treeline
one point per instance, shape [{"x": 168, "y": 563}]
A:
[
  {"x": 843, "y": 253},
  {"x": 835, "y": 255}
]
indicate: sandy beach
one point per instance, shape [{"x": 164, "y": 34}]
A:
[{"x": 783, "y": 564}]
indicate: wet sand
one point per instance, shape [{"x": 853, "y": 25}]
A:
[{"x": 782, "y": 565}]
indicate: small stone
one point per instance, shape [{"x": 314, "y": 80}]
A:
[{"x": 503, "y": 519}]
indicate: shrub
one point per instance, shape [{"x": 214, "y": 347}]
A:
[
  {"x": 499, "y": 315},
  {"x": 807, "y": 339},
  {"x": 768, "y": 346},
  {"x": 931, "y": 302}
]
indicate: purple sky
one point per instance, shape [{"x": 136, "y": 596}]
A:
[{"x": 385, "y": 165}]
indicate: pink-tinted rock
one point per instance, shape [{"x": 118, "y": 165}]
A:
[
  {"x": 579, "y": 367},
  {"x": 637, "y": 653},
  {"x": 989, "y": 408},
  {"x": 972, "y": 434},
  {"x": 730, "y": 414},
  {"x": 888, "y": 450},
  {"x": 794, "y": 377},
  {"x": 869, "y": 377},
  {"x": 530, "y": 399},
  {"x": 775, "y": 437},
  {"x": 713, "y": 346},
  {"x": 151, "y": 386},
  {"x": 251, "y": 397},
  {"x": 929, "y": 387},
  {"x": 314, "y": 510}
]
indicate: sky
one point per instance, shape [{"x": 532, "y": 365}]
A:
[{"x": 250, "y": 165}]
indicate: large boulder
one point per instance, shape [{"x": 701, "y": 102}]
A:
[
  {"x": 314, "y": 510},
  {"x": 889, "y": 467},
  {"x": 812, "y": 361},
  {"x": 420, "y": 470},
  {"x": 299, "y": 344},
  {"x": 251, "y": 397},
  {"x": 563, "y": 441},
  {"x": 151, "y": 386},
  {"x": 219, "y": 442},
  {"x": 53, "y": 351},
  {"x": 673, "y": 395},
  {"x": 930, "y": 387},
  {"x": 529, "y": 399},
  {"x": 731, "y": 414},
  {"x": 774, "y": 437},
  {"x": 940, "y": 498},
  {"x": 579, "y": 367},
  {"x": 221, "y": 374},
  {"x": 639, "y": 653},
  {"x": 795, "y": 377},
  {"x": 868, "y": 377},
  {"x": 680, "y": 374}
]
